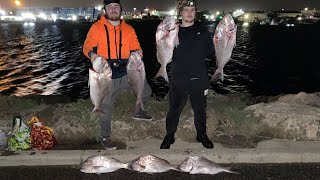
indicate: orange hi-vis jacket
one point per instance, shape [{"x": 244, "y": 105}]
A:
[{"x": 113, "y": 50}]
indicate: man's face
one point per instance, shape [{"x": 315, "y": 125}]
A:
[
  {"x": 188, "y": 14},
  {"x": 113, "y": 11}
]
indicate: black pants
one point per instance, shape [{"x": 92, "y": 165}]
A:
[{"x": 179, "y": 92}]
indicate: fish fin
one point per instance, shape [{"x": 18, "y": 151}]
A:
[
  {"x": 163, "y": 73},
  {"x": 218, "y": 74}
]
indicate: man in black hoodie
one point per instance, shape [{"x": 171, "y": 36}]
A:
[{"x": 189, "y": 75}]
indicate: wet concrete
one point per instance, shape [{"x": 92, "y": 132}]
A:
[{"x": 247, "y": 172}]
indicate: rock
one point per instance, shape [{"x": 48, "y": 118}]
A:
[
  {"x": 292, "y": 116},
  {"x": 301, "y": 98}
]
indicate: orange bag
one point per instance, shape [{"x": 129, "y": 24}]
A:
[{"x": 42, "y": 137}]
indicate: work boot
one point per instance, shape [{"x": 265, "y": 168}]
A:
[
  {"x": 203, "y": 138},
  {"x": 107, "y": 143},
  {"x": 167, "y": 141}
]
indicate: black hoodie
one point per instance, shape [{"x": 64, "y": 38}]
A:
[{"x": 195, "y": 45}]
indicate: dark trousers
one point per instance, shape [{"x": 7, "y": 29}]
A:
[{"x": 179, "y": 92}]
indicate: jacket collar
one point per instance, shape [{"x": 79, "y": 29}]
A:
[{"x": 104, "y": 20}]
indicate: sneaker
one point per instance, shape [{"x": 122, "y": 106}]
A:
[
  {"x": 107, "y": 143},
  {"x": 203, "y": 138},
  {"x": 142, "y": 116},
  {"x": 167, "y": 141}
]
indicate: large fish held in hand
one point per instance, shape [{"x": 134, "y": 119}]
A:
[
  {"x": 166, "y": 39},
  {"x": 152, "y": 164},
  {"x": 201, "y": 165},
  {"x": 99, "y": 82},
  {"x": 101, "y": 164},
  {"x": 136, "y": 77},
  {"x": 224, "y": 40}
]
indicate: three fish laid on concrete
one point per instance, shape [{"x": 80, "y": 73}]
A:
[
  {"x": 136, "y": 77},
  {"x": 224, "y": 40},
  {"x": 166, "y": 39},
  {"x": 152, "y": 164},
  {"x": 101, "y": 164},
  {"x": 99, "y": 82},
  {"x": 201, "y": 165}
]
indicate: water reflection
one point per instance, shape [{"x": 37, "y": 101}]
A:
[{"x": 47, "y": 59}]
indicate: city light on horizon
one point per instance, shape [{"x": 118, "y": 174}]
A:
[
  {"x": 163, "y": 5},
  {"x": 17, "y": 2},
  {"x": 2, "y": 12}
]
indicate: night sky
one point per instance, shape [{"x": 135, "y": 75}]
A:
[{"x": 168, "y": 4}]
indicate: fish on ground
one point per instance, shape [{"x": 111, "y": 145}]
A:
[
  {"x": 152, "y": 164},
  {"x": 99, "y": 83},
  {"x": 224, "y": 40},
  {"x": 166, "y": 40},
  {"x": 201, "y": 165},
  {"x": 99, "y": 164}
]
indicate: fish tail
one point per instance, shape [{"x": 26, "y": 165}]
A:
[
  {"x": 218, "y": 75},
  {"x": 163, "y": 73},
  {"x": 97, "y": 110},
  {"x": 139, "y": 106},
  {"x": 176, "y": 168},
  {"x": 127, "y": 166},
  {"x": 228, "y": 170}
]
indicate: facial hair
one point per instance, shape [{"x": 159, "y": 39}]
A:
[
  {"x": 112, "y": 17},
  {"x": 189, "y": 20}
]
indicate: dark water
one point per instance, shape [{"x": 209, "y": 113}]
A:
[
  {"x": 247, "y": 172},
  {"x": 267, "y": 60}
]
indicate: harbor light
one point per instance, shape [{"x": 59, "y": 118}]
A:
[
  {"x": 28, "y": 16},
  {"x": 42, "y": 16},
  {"x": 2, "y": 12},
  {"x": 172, "y": 12},
  {"x": 74, "y": 18},
  {"x": 245, "y": 24},
  {"x": 54, "y": 17},
  {"x": 99, "y": 8},
  {"x": 237, "y": 13},
  {"x": 18, "y": 3},
  {"x": 306, "y": 9},
  {"x": 246, "y": 16},
  {"x": 154, "y": 12}
]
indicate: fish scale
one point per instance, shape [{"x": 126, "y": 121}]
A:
[
  {"x": 166, "y": 41},
  {"x": 136, "y": 77},
  {"x": 99, "y": 83},
  {"x": 224, "y": 40}
]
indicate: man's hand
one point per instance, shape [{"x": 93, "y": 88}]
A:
[
  {"x": 93, "y": 57},
  {"x": 140, "y": 52}
]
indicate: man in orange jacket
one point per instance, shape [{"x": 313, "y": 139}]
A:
[{"x": 113, "y": 39}]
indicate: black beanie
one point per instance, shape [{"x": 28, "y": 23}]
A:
[{"x": 106, "y": 2}]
